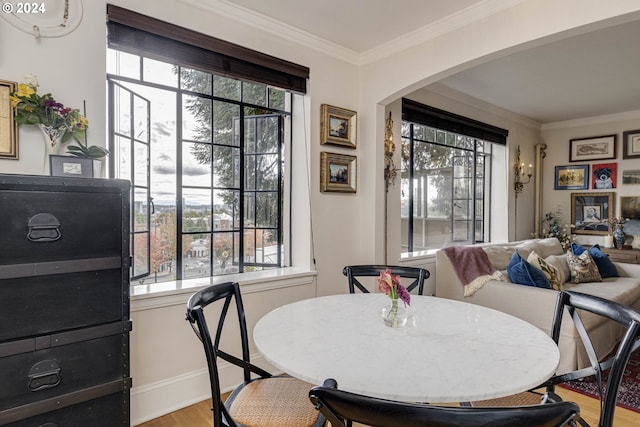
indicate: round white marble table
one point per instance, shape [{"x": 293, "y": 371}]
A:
[{"x": 450, "y": 351}]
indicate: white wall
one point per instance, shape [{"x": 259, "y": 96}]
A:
[{"x": 167, "y": 365}]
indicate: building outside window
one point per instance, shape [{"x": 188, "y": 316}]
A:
[{"x": 446, "y": 180}]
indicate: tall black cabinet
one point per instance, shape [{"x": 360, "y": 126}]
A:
[{"x": 64, "y": 302}]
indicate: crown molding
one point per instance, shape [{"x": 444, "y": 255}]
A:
[
  {"x": 464, "y": 17},
  {"x": 272, "y": 26},
  {"x": 445, "y": 25},
  {"x": 590, "y": 121}
]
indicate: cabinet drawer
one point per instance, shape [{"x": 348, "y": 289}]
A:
[
  {"x": 42, "y": 226},
  {"x": 106, "y": 405},
  {"x": 45, "y": 367},
  {"x": 44, "y": 304}
]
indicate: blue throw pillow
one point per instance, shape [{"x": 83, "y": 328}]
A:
[
  {"x": 606, "y": 268},
  {"x": 523, "y": 273}
]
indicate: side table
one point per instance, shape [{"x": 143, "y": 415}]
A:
[{"x": 631, "y": 256}]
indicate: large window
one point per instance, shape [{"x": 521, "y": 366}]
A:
[
  {"x": 208, "y": 156},
  {"x": 446, "y": 177}
]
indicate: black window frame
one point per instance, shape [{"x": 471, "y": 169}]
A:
[{"x": 479, "y": 133}]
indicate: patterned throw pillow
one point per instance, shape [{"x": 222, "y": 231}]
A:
[
  {"x": 604, "y": 264},
  {"x": 551, "y": 273},
  {"x": 583, "y": 268}
]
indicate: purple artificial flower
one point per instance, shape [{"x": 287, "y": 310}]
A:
[{"x": 404, "y": 295}]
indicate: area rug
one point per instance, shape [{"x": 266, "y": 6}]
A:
[{"x": 629, "y": 393}]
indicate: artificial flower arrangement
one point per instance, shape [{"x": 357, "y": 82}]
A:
[
  {"x": 551, "y": 227},
  {"x": 56, "y": 121},
  {"x": 34, "y": 109},
  {"x": 389, "y": 284},
  {"x": 616, "y": 221}
]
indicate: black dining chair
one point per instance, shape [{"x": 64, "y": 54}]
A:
[
  {"x": 341, "y": 408},
  {"x": 261, "y": 399},
  {"x": 353, "y": 272},
  {"x": 578, "y": 305}
]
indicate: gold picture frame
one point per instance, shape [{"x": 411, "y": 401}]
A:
[
  {"x": 8, "y": 126},
  {"x": 337, "y": 173},
  {"x": 337, "y": 126}
]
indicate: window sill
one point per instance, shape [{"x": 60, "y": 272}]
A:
[
  {"x": 417, "y": 255},
  {"x": 156, "y": 295}
]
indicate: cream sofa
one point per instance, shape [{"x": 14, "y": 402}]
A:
[{"x": 536, "y": 305}]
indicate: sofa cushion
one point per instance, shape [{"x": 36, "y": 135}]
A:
[
  {"x": 583, "y": 268},
  {"x": 549, "y": 246},
  {"x": 552, "y": 274},
  {"x": 499, "y": 256},
  {"x": 606, "y": 268},
  {"x": 560, "y": 262},
  {"x": 523, "y": 273}
]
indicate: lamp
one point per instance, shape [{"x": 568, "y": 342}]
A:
[{"x": 519, "y": 175}]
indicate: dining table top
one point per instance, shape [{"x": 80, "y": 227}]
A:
[{"x": 449, "y": 351}]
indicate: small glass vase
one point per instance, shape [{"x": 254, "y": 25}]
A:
[
  {"x": 394, "y": 314},
  {"x": 618, "y": 236}
]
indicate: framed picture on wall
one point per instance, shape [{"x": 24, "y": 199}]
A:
[
  {"x": 631, "y": 144},
  {"x": 631, "y": 176},
  {"x": 574, "y": 177},
  {"x": 590, "y": 212},
  {"x": 604, "y": 176},
  {"x": 630, "y": 207},
  {"x": 8, "y": 127},
  {"x": 594, "y": 148},
  {"x": 337, "y": 173},
  {"x": 337, "y": 126}
]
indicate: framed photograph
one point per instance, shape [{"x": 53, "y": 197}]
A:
[
  {"x": 574, "y": 177},
  {"x": 338, "y": 126},
  {"x": 631, "y": 144},
  {"x": 604, "y": 176},
  {"x": 630, "y": 207},
  {"x": 8, "y": 126},
  {"x": 595, "y": 148},
  {"x": 631, "y": 176},
  {"x": 590, "y": 212},
  {"x": 337, "y": 173},
  {"x": 70, "y": 166}
]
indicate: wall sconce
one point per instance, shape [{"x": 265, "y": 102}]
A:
[
  {"x": 390, "y": 172},
  {"x": 518, "y": 169}
]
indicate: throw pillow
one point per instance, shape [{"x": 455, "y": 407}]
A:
[
  {"x": 606, "y": 268},
  {"x": 560, "y": 262},
  {"x": 550, "y": 272},
  {"x": 523, "y": 273},
  {"x": 583, "y": 268}
]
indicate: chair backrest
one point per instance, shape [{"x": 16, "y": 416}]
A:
[
  {"x": 354, "y": 271},
  {"x": 227, "y": 292},
  {"x": 341, "y": 407},
  {"x": 629, "y": 318}
]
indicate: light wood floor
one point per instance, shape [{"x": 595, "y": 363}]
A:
[{"x": 199, "y": 415}]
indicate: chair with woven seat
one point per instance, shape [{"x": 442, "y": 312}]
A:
[
  {"x": 341, "y": 407},
  {"x": 261, "y": 399},
  {"x": 353, "y": 272},
  {"x": 578, "y": 306}
]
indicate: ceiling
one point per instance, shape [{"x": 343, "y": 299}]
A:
[{"x": 583, "y": 76}]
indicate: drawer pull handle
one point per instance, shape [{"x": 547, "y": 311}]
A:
[
  {"x": 44, "y": 227},
  {"x": 43, "y": 375}
]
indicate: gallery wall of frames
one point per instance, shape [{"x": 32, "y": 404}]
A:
[{"x": 593, "y": 170}]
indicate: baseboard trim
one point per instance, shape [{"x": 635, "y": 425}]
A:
[{"x": 163, "y": 397}]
